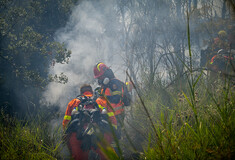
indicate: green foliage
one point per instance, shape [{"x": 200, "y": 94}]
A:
[
  {"x": 62, "y": 78},
  {"x": 28, "y": 139},
  {"x": 198, "y": 125},
  {"x": 195, "y": 128},
  {"x": 192, "y": 121},
  {"x": 28, "y": 49}
]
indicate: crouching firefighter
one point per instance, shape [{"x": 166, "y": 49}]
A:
[{"x": 87, "y": 128}]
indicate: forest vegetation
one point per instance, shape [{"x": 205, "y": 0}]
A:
[{"x": 181, "y": 107}]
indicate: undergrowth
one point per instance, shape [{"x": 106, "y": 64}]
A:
[
  {"x": 195, "y": 121},
  {"x": 28, "y": 139}
]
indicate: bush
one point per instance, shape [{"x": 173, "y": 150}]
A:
[{"x": 21, "y": 139}]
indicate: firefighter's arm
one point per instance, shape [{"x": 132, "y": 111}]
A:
[
  {"x": 67, "y": 118},
  {"x": 107, "y": 110},
  {"x": 102, "y": 103}
]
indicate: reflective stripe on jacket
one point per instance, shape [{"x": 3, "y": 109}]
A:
[{"x": 212, "y": 59}]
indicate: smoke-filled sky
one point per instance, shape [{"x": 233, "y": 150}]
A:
[{"x": 92, "y": 34}]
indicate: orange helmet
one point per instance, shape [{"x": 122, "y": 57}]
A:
[{"x": 99, "y": 69}]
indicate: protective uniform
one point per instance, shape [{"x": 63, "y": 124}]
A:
[
  {"x": 112, "y": 89},
  {"x": 220, "y": 42},
  {"x": 75, "y": 144},
  {"x": 114, "y": 93}
]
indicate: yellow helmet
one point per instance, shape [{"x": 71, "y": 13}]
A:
[{"x": 222, "y": 33}]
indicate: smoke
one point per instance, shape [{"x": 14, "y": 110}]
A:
[{"x": 92, "y": 34}]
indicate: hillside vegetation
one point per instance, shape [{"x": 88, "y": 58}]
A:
[{"x": 181, "y": 108}]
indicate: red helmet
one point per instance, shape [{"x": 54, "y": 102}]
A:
[{"x": 99, "y": 69}]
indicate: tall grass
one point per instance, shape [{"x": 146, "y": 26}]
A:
[
  {"x": 199, "y": 124},
  {"x": 21, "y": 139},
  {"x": 203, "y": 131}
]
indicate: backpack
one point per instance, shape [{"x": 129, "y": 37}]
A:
[
  {"x": 87, "y": 112},
  {"x": 83, "y": 113}
]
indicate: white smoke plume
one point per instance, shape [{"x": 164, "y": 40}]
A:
[{"x": 93, "y": 35}]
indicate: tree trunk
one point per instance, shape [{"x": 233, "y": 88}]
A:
[
  {"x": 189, "y": 5},
  {"x": 224, "y": 9},
  {"x": 194, "y": 3}
]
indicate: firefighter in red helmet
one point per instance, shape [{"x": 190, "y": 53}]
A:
[{"x": 115, "y": 92}]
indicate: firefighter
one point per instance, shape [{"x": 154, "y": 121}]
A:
[
  {"x": 220, "y": 42},
  {"x": 216, "y": 44},
  {"x": 78, "y": 145},
  {"x": 114, "y": 91}
]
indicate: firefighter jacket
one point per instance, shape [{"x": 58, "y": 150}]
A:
[
  {"x": 101, "y": 103},
  {"x": 114, "y": 93}
]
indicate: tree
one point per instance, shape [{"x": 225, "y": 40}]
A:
[
  {"x": 28, "y": 49},
  {"x": 150, "y": 40},
  {"x": 155, "y": 35}
]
